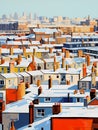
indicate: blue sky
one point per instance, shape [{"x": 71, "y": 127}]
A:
[{"x": 50, "y": 8}]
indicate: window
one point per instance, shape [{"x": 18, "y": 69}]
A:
[
  {"x": 8, "y": 70},
  {"x": 40, "y": 112},
  {"x": 47, "y": 99},
  {"x": 62, "y": 77},
  {"x": 83, "y": 84},
  {"x": 1, "y": 82},
  {"x": 1, "y": 95},
  {"x": 71, "y": 46},
  {"x": 87, "y": 85}
]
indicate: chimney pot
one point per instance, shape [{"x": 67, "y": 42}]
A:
[
  {"x": 2, "y": 60},
  {"x": 38, "y": 83},
  {"x": 84, "y": 70},
  {"x": 67, "y": 54},
  {"x": 57, "y": 108},
  {"x": 50, "y": 50},
  {"x": 80, "y": 53},
  {"x": 31, "y": 113},
  {"x": 63, "y": 62},
  {"x": 88, "y": 60},
  {"x": 12, "y": 126},
  {"x": 63, "y": 50}
]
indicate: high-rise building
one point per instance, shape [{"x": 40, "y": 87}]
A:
[
  {"x": 4, "y": 17},
  {"x": 30, "y": 16},
  {"x": 15, "y": 16},
  {"x": 35, "y": 16}
]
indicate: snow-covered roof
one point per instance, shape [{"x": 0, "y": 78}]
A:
[
  {"x": 37, "y": 60},
  {"x": 45, "y": 30},
  {"x": 35, "y": 73},
  {"x": 21, "y": 106},
  {"x": 88, "y": 78},
  {"x": 24, "y": 74},
  {"x": 9, "y": 75}
]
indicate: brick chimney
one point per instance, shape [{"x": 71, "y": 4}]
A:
[
  {"x": 68, "y": 82},
  {"x": 66, "y": 67},
  {"x": 12, "y": 125},
  {"x": 88, "y": 60},
  {"x": 12, "y": 67},
  {"x": 75, "y": 91},
  {"x": 31, "y": 113},
  {"x": 54, "y": 67},
  {"x": 55, "y": 63},
  {"x": 20, "y": 91},
  {"x": 17, "y": 62},
  {"x": 27, "y": 85},
  {"x": 34, "y": 51},
  {"x": 54, "y": 59},
  {"x": 2, "y": 60},
  {"x": 80, "y": 53},
  {"x": 50, "y": 50},
  {"x": 38, "y": 83},
  {"x": 57, "y": 108},
  {"x": 93, "y": 77},
  {"x": 2, "y": 108},
  {"x": 50, "y": 82},
  {"x": 11, "y": 51},
  {"x": 92, "y": 93},
  {"x": 19, "y": 57},
  {"x": 24, "y": 51},
  {"x": 63, "y": 50},
  {"x": 39, "y": 90},
  {"x": 33, "y": 59},
  {"x": 84, "y": 70},
  {"x": 63, "y": 62},
  {"x": 82, "y": 91},
  {"x": 67, "y": 54}
]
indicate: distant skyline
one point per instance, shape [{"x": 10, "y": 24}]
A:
[{"x": 50, "y": 8}]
